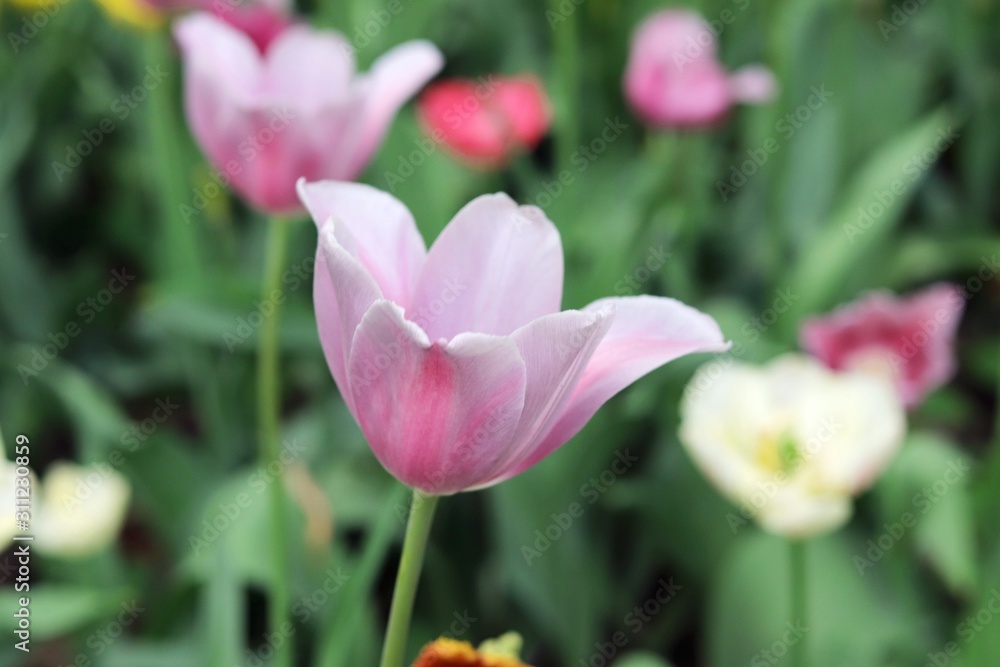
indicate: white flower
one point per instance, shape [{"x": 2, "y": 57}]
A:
[
  {"x": 8, "y": 527},
  {"x": 791, "y": 442},
  {"x": 80, "y": 509}
]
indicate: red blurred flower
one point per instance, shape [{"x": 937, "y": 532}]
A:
[{"x": 485, "y": 122}]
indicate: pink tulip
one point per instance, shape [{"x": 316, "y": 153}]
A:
[
  {"x": 456, "y": 361},
  {"x": 674, "y": 78},
  {"x": 910, "y": 338},
  {"x": 485, "y": 122},
  {"x": 296, "y": 110}
]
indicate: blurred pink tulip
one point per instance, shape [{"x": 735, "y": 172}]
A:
[
  {"x": 296, "y": 110},
  {"x": 674, "y": 78},
  {"x": 456, "y": 361},
  {"x": 910, "y": 338},
  {"x": 485, "y": 122}
]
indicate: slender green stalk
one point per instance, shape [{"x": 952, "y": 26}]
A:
[
  {"x": 797, "y": 570},
  {"x": 414, "y": 545},
  {"x": 567, "y": 86},
  {"x": 268, "y": 415}
]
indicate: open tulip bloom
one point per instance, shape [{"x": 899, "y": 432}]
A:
[{"x": 457, "y": 362}]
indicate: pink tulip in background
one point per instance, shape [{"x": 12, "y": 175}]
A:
[
  {"x": 456, "y": 361},
  {"x": 485, "y": 122},
  {"x": 297, "y": 109},
  {"x": 911, "y": 338},
  {"x": 674, "y": 78}
]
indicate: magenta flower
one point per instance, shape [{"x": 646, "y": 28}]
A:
[
  {"x": 674, "y": 78},
  {"x": 456, "y": 361},
  {"x": 911, "y": 338},
  {"x": 296, "y": 110}
]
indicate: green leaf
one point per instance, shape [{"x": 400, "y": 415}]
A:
[
  {"x": 57, "y": 610},
  {"x": 824, "y": 269},
  {"x": 926, "y": 489},
  {"x": 641, "y": 659}
]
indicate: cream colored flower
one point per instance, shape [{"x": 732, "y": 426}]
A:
[
  {"x": 8, "y": 527},
  {"x": 791, "y": 442},
  {"x": 80, "y": 509}
]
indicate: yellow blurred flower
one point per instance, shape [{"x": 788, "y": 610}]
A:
[{"x": 134, "y": 12}]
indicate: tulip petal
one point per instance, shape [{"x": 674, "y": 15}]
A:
[
  {"x": 857, "y": 424},
  {"x": 343, "y": 291},
  {"x": 556, "y": 349},
  {"x": 495, "y": 268},
  {"x": 647, "y": 332},
  {"x": 394, "y": 78},
  {"x": 308, "y": 69},
  {"x": 223, "y": 60},
  {"x": 222, "y": 82},
  {"x": 437, "y": 415},
  {"x": 374, "y": 227},
  {"x": 797, "y": 513}
]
